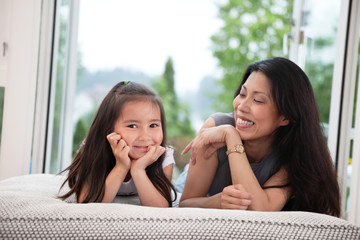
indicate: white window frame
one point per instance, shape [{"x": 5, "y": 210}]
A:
[
  {"x": 20, "y": 71},
  {"x": 354, "y": 37},
  {"x": 43, "y": 87},
  {"x": 343, "y": 97}
]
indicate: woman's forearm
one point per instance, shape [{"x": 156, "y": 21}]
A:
[
  {"x": 264, "y": 200},
  {"x": 202, "y": 202}
]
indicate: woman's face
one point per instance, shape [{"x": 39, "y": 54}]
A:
[
  {"x": 140, "y": 126},
  {"x": 256, "y": 113}
]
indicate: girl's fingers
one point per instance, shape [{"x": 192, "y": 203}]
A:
[
  {"x": 121, "y": 144},
  {"x": 159, "y": 151},
  {"x": 113, "y": 139},
  {"x": 150, "y": 157},
  {"x": 155, "y": 152}
]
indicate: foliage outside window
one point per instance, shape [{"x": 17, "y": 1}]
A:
[{"x": 253, "y": 30}]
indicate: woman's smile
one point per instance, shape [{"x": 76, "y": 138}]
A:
[{"x": 242, "y": 123}]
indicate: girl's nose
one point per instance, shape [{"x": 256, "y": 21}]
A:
[{"x": 144, "y": 134}]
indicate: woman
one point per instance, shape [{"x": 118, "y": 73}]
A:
[{"x": 267, "y": 155}]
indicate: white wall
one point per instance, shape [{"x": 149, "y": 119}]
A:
[{"x": 21, "y": 31}]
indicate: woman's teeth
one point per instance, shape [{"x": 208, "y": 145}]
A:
[{"x": 244, "y": 122}]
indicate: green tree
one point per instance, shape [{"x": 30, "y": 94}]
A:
[
  {"x": 178, "y": 124},
  {"x": 252, "y": 30}
]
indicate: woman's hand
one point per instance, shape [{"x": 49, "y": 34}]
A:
[
  {"x": 235, "y": 197},
  {"x": 150, "y": 157},
  {"x": 212, "y": 139},
  {"x": 120, "y": 150}
]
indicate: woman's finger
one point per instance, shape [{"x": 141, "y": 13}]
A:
[
  {"x": 233, "y": 206},
  {"x": 209, "y": 151},
  {"x": 187, "y": 148}
]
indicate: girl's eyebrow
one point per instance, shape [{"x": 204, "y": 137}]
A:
[
  {"x": 136, "y": 121},
  {"x": 155, "y": 120}
]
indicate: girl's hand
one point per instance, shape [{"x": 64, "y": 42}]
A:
[
  {"x": 235, "y": 197},
  {"x": 150, "y": 157},
  {"x": 211, "y": 138},
  {"x": 120, "y": 150}
]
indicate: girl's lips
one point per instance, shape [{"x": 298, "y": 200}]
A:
[{"x": 141, "y": 147}]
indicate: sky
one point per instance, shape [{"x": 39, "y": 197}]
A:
[{"x": 142, "y": 34}]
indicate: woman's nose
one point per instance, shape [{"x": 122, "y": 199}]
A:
[{"x": 243, "y": 105}]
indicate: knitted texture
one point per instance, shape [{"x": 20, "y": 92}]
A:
[{"x": 29, "y": 208}]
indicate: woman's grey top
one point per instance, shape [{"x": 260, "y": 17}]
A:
[{"x": 262, "y": 170}]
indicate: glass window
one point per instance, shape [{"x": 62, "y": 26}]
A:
[
  {"x": 164, "y": 45},
  {"x": 55, "y": 139},
  {"x": 318, "y": 49},
  {"x": 168, "y": 46}
]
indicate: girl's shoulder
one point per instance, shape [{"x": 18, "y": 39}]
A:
[{"x": 169, "y": 156}]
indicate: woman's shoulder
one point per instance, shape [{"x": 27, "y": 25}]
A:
[{"x": 221, "y": 118}]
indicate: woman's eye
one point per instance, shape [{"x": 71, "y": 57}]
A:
[
  {"x": 258, "y": 101},
  {"x": 241, "y": 94},
  {"x": 154, "y": 125},
  {"x": 132, "y": 126}
]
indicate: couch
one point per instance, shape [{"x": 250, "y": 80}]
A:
[{"x": 29, "y": 208}]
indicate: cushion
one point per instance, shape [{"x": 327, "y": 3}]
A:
[{"x": 29, "y": 208}]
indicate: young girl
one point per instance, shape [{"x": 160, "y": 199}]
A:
[{"x": 124, "y": 151}]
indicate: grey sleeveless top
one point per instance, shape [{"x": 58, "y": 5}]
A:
[{"x": 262, "y": 170}]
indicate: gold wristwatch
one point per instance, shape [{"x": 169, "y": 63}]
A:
[{"x": 238, "y": 148}]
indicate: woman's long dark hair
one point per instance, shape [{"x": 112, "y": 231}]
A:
[
  {"x": 95, "y": 159},
  {"x": 301, "y": 144}
]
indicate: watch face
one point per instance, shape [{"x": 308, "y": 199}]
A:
[{"x": 240, "y": 148}]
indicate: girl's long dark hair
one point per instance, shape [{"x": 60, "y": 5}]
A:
[
  {"x": 95, "y": 159},
  {"x": 301, "y": 144}
]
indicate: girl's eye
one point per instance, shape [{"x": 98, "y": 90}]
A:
[
  {"x": 241, "y": 94},
  {"x": 132, "y": 126},
  {"x": 154, "y": 125}
]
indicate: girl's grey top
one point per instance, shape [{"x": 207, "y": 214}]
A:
[{"x": 262, "y": 170}]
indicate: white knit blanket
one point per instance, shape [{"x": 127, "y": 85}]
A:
[{"x": 29, "y": 208}]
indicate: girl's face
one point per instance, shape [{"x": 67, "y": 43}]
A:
[
  {"x": 256, "y": 113},
  {"x": 139, "y": 125}
]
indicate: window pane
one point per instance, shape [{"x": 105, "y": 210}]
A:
[
  {"x": 58, "y": 89},
  {"x": 128, "y": 42},
  {"x": 319, "y": 24}
]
